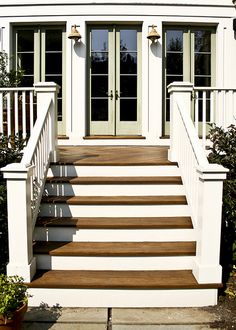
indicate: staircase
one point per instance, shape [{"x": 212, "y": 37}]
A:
[{"x": 114, "y": 230}]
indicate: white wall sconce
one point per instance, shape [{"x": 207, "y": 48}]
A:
[
  {"x": 153, "y": 35},
  {"x": 74, "y": 34}
]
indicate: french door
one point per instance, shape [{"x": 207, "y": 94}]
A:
[
  {"x": 189, "y": 55},
  {"x": 114, "y": 80},
  {"x": 39, "y": 50}
]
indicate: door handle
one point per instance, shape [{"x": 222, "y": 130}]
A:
[
  {"x": 110, "y": 95},
  {"x": 117, "y": 94}
]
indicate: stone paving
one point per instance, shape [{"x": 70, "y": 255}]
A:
[{"x": 119, "y": 319}]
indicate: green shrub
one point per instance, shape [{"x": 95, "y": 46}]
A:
[
  {"x": 223, "y": 151},
  {"x": 11, "y": 151},
  {"x": 9, "y": 78}
]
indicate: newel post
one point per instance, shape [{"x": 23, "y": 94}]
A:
[
  {"x": 206, "y": 267},
  {"x": 180, "y": 94},
  {"x": 20, "y": 227},
  {"x": 46, "y": 92}
]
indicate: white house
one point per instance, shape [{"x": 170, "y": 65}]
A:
[{"x": 139, "y": 230}]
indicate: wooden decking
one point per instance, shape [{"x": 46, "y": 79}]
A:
[
  {"x": 115, "y": 248},
  {"x": 114, "y": 155},
  {"x": 83, "y": 279},
  {"x": 117, "y": 222}
]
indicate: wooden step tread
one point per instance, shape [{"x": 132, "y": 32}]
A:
[
  {"x": 117, "y": 223},
  {"x": 115, "y": 248},
  {"x": 117, "y": 180},
  {"x": 116, "y": 200},
  {"x": 93, "y": 279}
]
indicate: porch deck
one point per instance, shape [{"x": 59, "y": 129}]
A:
[{"x": 114, "y": 155}]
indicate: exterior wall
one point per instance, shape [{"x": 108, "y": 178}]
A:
[{"x": 215, "y": 12}]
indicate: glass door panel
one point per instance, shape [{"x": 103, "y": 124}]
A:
[
  {"x": 39, "y": 52},
  {"x": 188, "y": 56},
  {"x": 113, "y": 81}
]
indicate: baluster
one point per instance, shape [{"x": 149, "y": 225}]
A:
[
  {"x": 31, "y": 95},
  {"x": 16, "y": 112},
  {"x": 1, "y": 112},
  {"x": 197, "y": 112},
  {"x": 9, "y": 113},
  {"x": 204, "y": 119},
  {"x": 23, "y": 115},
  {"x": 212, "y": 107}
]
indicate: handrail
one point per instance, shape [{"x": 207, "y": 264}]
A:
[
  {"x": 213, "y": 105},
  {"x": 203, "y": 183},
  {"x": 17, "y": 110},
  {"x": 25, "y": 182},
  {"x": 37, "y": 154}
]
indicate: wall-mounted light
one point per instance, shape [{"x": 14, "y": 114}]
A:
[
  {"x": 74, "y": 34},
  {"x": 153, "y": 35}
]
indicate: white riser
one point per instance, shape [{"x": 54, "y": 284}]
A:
[
  {"x": 71, "y": 170},
  {"x": 123, "y": 298},
  {"x": 113, "y": 190},
  {"x": 62, "y": 210},
  {"x": 108, "y": 235},
  {"x": 113, "y": 263}
]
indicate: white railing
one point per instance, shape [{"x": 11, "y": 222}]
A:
[
  {"x": 203, "y": 183},
  {"x": 213, "y": 105},
  {"x": 17, "y": 111},
  {"x": 25, "y": 182}
]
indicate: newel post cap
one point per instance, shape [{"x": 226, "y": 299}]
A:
[{"x": 180, "y": 86}]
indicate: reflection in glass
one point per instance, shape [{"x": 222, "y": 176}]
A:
[
  {"x": 202, "y": 41},
  {"x": 202, "y": 81},
  {"x": 99, "y": 110},
  {"x": 128, "y": 40},
  {"x": 202, "y": 64},
  {"x": 174, "y": 63},
  {"x": 53, "y": 63},
  {"x": 26, "y": 62},
  {"x": 128, "y": 86},
  {"x": 53, "y": 40},
  {"x": 99, "y": 40},
  {"x": 99, "y": 86},
  {"x": 99, "y": 62},
  {"x": 128, "y": 62},
  {"x": 174, "y": 40},
  {"x": 25, "y": 40},
  {"x": 128, "y": 110}
]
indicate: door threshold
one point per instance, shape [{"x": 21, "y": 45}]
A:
[{"x": 116, "y": 137}]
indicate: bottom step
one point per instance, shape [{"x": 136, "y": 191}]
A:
[{"x": 120, "y": 289}]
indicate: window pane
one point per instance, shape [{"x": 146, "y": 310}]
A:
[
  {"x": 99, "y": 62},
  {"x": 27, "y": 81},
  {"x": 128, "y": 40},
  {"x": 128, "y": 110},
  {"x": 174, "y": 63},
  {"x": 26, "y": 62},
  {"x": 99, "y": 110},
  {"x": 174, "y": 40},
  {"x": 25, "y": 40},
  {"x": 128, "y": 86},
  {"x": 99, "y": 86},
  {"x": 202, "y": 41},
  {"x": 202, "y": 81},
  {"x": 128, "y": 62},
  {"x": 53, "y": 63},
  {"x": 99, "y": 40},
  {"x": 202, "y": 64},
  {"x": 54, "y": 40}
]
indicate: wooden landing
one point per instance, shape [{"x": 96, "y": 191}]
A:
[
  {"x": 84, "y": 279},
  {"x": 54, "y": 248},
  {"x": 116, "y": 200},
  {"x": 117, "y": 223},
  {"x": 114, "y": 155}
]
